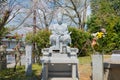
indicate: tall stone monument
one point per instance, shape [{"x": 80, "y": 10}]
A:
[
  {"x": 28, "y": 66},
  {"x": 59, "y": 62}
]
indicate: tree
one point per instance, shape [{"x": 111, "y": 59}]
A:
[
  {"x": 41, "y": 38},
  {"x": 75, "y": 11},
  {"x": 81, "y": 40},
  {"x": 6, "y": 14},
  {"x": 8, "y": 11},
  {"x": 105, "y": 14},
  {"x": 45, "y": 13}
]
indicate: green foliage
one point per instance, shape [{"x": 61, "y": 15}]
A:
[
  {"x": 9, "y": 74},
  {"x": 106, "y": 14},
  {"x": 3, "y": 32},
  {"x": 41, "y": 38},
  {"x": 80, "y": 40},
  {"x": 30, "y": 37},
  {"x": 85, "y": 60}
]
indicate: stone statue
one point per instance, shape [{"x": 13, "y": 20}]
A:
[
  {"x": 59, "y": 60},
  {"x": 60, "y": 33}
]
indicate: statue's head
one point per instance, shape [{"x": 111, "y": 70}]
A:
[
  {"x": 59, "y": 22},
  {"x": 59, "y": 18}
]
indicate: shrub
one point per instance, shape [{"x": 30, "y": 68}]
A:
[{"x": 81, "y": 40}]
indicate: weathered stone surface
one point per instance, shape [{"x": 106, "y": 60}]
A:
[
  {"x": 115, "y": 57},
  {"x": 60, "y": 60},
  {"x": 64, "y": 78},
  {"x": 97, "y": 67},
  {"x": 28, "y": 66}
]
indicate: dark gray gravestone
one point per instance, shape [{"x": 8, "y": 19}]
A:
[
  {"x": 28, "y": 66},
  {"x": 112, "y": 66},
  {"x": 97, "y": 67}
]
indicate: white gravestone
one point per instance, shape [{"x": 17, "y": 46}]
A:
[
  {"x": 115, "y": 57},
  {"x": 97, "y": 67}
]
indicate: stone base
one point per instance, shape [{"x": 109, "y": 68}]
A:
[
  {"x": 60, "y": 67},
  {"x": 111, "y": 71},
  {"x": 63, "y": 78}
]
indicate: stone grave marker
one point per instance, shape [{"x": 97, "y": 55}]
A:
[
  {"x": 28, "y": 66},
  {"x": 115, "y": 57},
  {"x": 97, "y": 67}
]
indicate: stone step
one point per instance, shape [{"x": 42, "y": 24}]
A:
[{"x": 63, "y": 78}]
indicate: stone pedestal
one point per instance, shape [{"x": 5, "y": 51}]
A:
[
  {"x": 111, "y": 71},
  {"x": 60, "y": 61},
  {"x": 58, "y": 65}
]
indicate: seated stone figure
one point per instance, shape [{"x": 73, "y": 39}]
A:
[{"x": 60, "y": 34}]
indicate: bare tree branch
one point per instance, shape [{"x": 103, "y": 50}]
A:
[
  {"x": 16, "y": 13},
  {"x": 24, "y": 20},
  {"x": 4, "y": 18},
  {"x": 47, "y": 14}
]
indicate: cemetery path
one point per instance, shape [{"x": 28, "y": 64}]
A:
[{"x": 85, "y": 71}]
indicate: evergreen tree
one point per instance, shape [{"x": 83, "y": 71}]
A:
[{"x": 106, "y": 14}]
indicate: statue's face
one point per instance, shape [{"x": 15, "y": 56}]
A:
[
  {"x": 59, "y": 22},
  {"x": 59, "y": 18}
]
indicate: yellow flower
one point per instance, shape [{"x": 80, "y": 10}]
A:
[{"x": 100, "y": 35}]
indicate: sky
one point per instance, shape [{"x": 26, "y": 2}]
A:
[
  {"x": 23, "y": 5},
  {"x": 26, "y": 5}
]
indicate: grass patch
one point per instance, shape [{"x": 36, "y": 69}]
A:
[
  {"x": 37, "y": 69},
  {"x": 107, "y": 56},
  {"x": 85, "y": 60},
  {"x": 9, "y": 74},
  {"x": 88, "y": 59}
]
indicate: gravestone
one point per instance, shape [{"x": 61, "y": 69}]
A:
[
  {"x": 97, "y": 67},
  {"x": 28, "y": 66},
  {"x": 107, "y": 70},
  {"x": 112, "y": 66},
  {"x": 59, "y": 62},
  {"x": 115, "y": 57}
]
